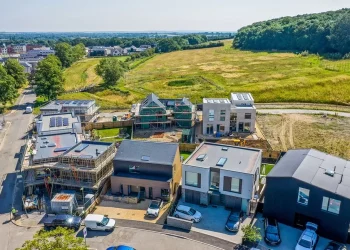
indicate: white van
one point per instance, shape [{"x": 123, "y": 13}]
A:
[
  {"x": 29, "y": 110},
  {"x": 99, "y": 222}
]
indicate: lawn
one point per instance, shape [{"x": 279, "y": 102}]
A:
[
  {"x": 107, "y": 132},
  {"x": 215, "y": 72},
  {"x": 266, "y": 168},
  {"x": 185, "y": 155}
]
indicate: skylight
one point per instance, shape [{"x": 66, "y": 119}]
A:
[
  {"x": 145, "y": 158},
  {"x": 224, "y": 148},
  {"x": 201, "y": 157},
  {"x": 221, "y": 162}
]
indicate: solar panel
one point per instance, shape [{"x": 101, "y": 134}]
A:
[
  {"x": 86, "y": 102},
  {"x": 239, "y": 96},
  {"x": 67, "y": 102},
  {"x": 65, "y": 122},
  {"x": 61, "y": 149},
  {"x": 245, "y": 96},
  {"x": 59, "y": 121},
  {"x": 81, "y": 147},
  {"x": 52, "y": 144},
  {"x": 52, "y": 122}
]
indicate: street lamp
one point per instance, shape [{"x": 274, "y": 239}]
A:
[{"x": 82, "y": 190}]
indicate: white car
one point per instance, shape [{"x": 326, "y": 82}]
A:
[
  {"x": 99, "y": 223},
  {"x": 154, "y": 208},
  {"x": 308, "y": 238},
  {"x": 187, "y": 213}
]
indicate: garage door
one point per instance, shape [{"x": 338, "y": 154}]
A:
[
  {"x": 233, "y": 202},
  {"x": 192, "y": 196}
]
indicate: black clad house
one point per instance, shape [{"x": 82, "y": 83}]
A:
[{"x": 309, "y": 185}]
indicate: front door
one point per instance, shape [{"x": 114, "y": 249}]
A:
[
  {"x": 142, "y": 193},
  {"x": 150, "y": 193}
]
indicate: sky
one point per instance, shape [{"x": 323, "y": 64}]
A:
[{"x": 150, "y": 15}]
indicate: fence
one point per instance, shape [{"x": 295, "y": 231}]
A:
[{"x": 103, "y": 125}]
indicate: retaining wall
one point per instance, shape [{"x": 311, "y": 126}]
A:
[{"x": 179, "y": 223}]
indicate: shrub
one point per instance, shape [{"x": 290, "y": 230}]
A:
[
  {"x": 251, "y": 233},
  {"x": 304, "y": 53}
]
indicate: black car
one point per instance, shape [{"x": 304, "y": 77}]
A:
[
  {"x": 234, "y": 221},
  {"x": 62, "y": 220},
  {"x": 272, "y": 232},
  {"x": 335, "y": 246}
]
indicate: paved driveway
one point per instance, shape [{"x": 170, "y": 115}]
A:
[{"x": 213, "y": 223}]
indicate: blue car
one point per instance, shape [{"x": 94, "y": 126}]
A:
[{"x": 121, "y": 247}]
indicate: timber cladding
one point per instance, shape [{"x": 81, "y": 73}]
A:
[{"x": 103, "y": 125}]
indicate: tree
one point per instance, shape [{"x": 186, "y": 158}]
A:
[
  {"x": 58, "y": 239},
  {"x": 168, "y": 45},
  {"x": 7, "y": 87},
  {"x": 65, "y": 54},
  {"x": 78, "y": 51},
  {"x": 16, "y": 70},
  {"x": 110, "y": 69},
  {"x": 340, "y": 36},
  {"x": 251, "y": 233},
  {"x": 49, "y": 78}
]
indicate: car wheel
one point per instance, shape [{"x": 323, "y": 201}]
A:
[{"x": 177, "y": 216}]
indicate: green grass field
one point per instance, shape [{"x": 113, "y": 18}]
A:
[
  {"x": 185, "y": 155},
  {"x": 215, "y": 72}
]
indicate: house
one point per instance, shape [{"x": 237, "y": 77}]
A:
[
  {"x": 222, "y": 116},
  {"x": 41, "y": 52},
  {"x": 222, "y": 175},
  {"x": 100, "y": 51},
  {"x": 156, "y": 113},
  {"x": 19, "y": 48},
  {"x": 85, "y": 109},
  {"x": 309, "y": 185},
  {"x": 50, "y": 124},
  {"x": 28, "y": 68},
  {"x": 148, "y": 169},
  {"x": 117, "y": 51},
  {"x": 3, "y": 49}
]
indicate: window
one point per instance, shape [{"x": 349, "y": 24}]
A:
[
  {"x": 221, "y": 162},
  {"x": 210, "y": 129},
  {"x": 164, "y": 192},
  {"x": 247, "y": 127},
  {"x": 247, "y": 116},
  {"x": 222, "y": 128},
  {"x": 134, "y": 170},
  {"x": 192, "y": 179},
  {"x": 222, "y": 118},
  {"x": 223, "y": 112},
  {"x": 201, "y": 157},
  {"x": 236, "y": 185},
  {"x": 331, "y": 205},
  {"x": 214, "y": 179},
  {"x": 211, "y": 115},
  {"x": 303, "y": 196}
]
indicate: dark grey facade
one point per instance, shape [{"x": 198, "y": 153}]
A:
[
  {"x": 141, "y": 168},
  {"x": 284, "y": 202}
]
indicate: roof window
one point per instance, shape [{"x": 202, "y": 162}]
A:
[
  {"x": 221, "y": 162},
  {"x": 330, "y": 172},
  {"x": 201, "y": 157},
  {"x": 224, "y": 148},
  {"x": 145, "y": 158}
]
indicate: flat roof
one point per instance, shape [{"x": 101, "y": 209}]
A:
[
  {"x": 88, "y": 149},
  {"x": 53, "y": 145},
  {"x": 63, "y": 197},
  {"x": 58, "y": 104},
  {"x": 316, "y": 168},
  {"x": 244, "y": 96},
  {"x": 227, "y": 157},
  {"x": 216, "y": 100},
  {"x": 47, "y": 124}
]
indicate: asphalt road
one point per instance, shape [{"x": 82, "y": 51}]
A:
[{"x": 9, "y": 154}]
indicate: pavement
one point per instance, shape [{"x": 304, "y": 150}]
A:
[{"x": 10, "y": 152}]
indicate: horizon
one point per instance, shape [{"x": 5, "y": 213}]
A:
[{"x": 40, "y": 16}]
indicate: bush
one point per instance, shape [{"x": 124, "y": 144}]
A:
[
  {"x": 346, "y": 56},
  {"x": 304, "y": 53},
  {"x": 251, "y": 233}
]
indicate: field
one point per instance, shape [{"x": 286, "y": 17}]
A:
[
  {"x": 214, "y": 72},
  {"x": 326, "y": 133}
]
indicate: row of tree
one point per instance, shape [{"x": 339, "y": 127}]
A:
[
  {"x": 326, "y": 32},
  {"x": 69, "y": 54}
]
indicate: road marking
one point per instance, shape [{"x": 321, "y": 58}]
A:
[{"x": 1, "y": 182}]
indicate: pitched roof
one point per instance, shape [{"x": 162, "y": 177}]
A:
[
  {"x": 316, "y": 168},
  {"x": 147, "y": 151},
  {"x": 152, "y": 98}
]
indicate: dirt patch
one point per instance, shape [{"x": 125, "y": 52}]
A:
[
  {"x": 276, "y": 76},
  {"x": 233, "y": 75},
  {"x": 158, "y": 135},
  {"x": 329, "y": 134}
]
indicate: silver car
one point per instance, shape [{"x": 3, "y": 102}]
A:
[{"x": 187, "y": 213}]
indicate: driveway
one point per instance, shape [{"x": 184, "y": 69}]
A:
[
  {"x": 213, "y": 222},
  {"x": 289, "y": 236}
]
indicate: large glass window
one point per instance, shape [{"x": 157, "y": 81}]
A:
[
  {"x": 222, "y": 118},
  {"x": 303, "y": 196},
  {"x": 247, "y": 116},
  {"x": 214, "y": 179},
  {"x": 210, "y": 129},
  {"x": 236, "y": 185},
  {"x": 134, "y": 170},
  {"x": 191, "y": 179},
  {"x": 222, "y": 112},
  {"x": 331, "y": 205},
  {"x": 211, "y": 115},
  {"x": 164, "y": 192},
  {"x": 247, "y": 127}
]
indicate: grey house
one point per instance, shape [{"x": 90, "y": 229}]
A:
[
  {"x": 309, "y": 185},
  {"x": 148, "y": 169}
]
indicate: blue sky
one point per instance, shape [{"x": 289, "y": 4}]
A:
[{"x": 150, "y": 15}]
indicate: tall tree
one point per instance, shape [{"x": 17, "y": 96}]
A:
[
  {"x": 65, "y": 54},
  {"x": 49, "y": 78},
  {"x": 110, "y": 69},
  {"x": 168, "y": 45},
  {"x": 8, "y": 91},
  {"x": 58, "y": 239},
  {"x": 16, "y": 70},
  {"x": 78, "y": 51},
  {"x": 340, "y": 35}
]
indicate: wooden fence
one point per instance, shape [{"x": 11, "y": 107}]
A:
[{"x": 103, "y": 125}]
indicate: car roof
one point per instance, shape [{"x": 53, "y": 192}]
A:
[
  {"x": 182, "y": 207},
  {"x": 94, "y": 217},
  {"x": 63, "y": 216},
  {"x": 271, "y": 221}
]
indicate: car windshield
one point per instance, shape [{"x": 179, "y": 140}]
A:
[
  {"x": 105, "y": 221},
  {"x": 305, "y": 243},
  {"x": 154, "y": 205},
  {"x": 272, "y": 230},
  {"x": 192, "y": 211},
  {"x": 234, "y": 217}
]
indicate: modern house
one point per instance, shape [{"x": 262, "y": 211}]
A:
[
  {"x": 28, "y": 68},
  {"x": 222, "y": 175},
  {"x": 19, "y": 48},
  {"x": 53, "y": 124},
  {"x": 309, "y": 185},
  {"x": 222, "y": 116},
  {"x": 147, "y": 169},
  {"x": 37, "y": 53},
  {"x": 155, "y": 113},
  {"x": 85, "y": 109}
]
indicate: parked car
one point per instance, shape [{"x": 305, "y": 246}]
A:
[
  {"x": 121, "y": 247},
  {"x": 234, "y": 221},
  {"x": 62, "y": 220},
  {"x": 272, "y": 232},
  {"x": 29, "y": 110},
  {"x": 154, "y": 208},
  {"x": 309, "y": 238},
  {"x": 335, "y": 246},
  {"x": 99, "y": 222},
  {"x": 187, "y": 213}
]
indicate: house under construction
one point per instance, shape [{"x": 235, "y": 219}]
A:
[{"x": 155, "y": 113}]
